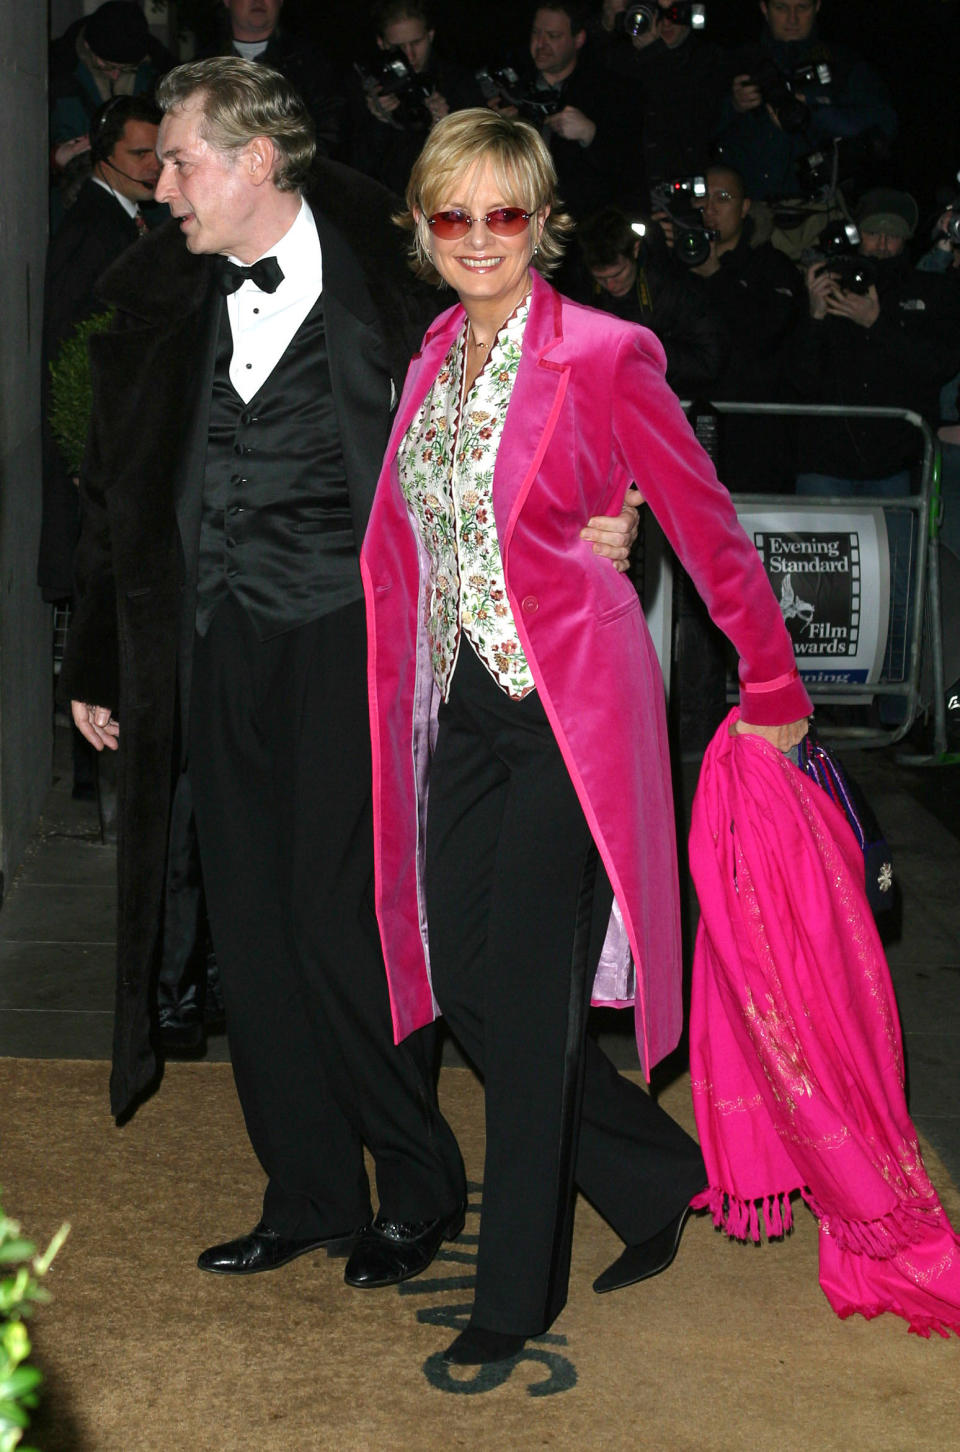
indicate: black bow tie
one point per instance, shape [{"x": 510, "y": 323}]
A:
[{"x": 265, "y": 274}]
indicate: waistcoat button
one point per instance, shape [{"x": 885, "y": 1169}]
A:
[{"x": 529, "y": 604}]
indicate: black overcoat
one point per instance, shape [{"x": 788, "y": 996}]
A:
[{"x": 131, "y": 637}]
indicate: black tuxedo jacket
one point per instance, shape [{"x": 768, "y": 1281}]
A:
[{"x": 131, "y": 638}]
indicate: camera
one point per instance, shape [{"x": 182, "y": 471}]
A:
[
  {"x": 504, "y": 84},
  {"x": 847, "y": 159},
  {"x": 678, "y": 199},
  {"x": 779, "y": 90},
  {"x": 396, "y": 77},
  {"x": 639, "y": 19},
  {"x": 853, "y": 273},
  {"x": 837, "y": 246},
  {"x": 951, "y": 227}
]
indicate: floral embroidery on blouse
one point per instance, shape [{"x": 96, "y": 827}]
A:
[{"x": 446, "y": 465}]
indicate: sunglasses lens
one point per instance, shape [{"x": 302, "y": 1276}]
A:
[
  {"x": 503, "y": 222},
  {"x": 449, "y": 224},
  {"x": 507, "y": 221}
]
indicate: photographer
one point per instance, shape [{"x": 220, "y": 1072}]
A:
[
  {"x": 390, "y": 117},
  {"x": 252, "y": 29},
  {"x": 591, "y": 120},
  {"x": 681, "y": 76},
  {"x": 757, "y": 295},
  {"x": 793, "y": 94},
  {"x": 878, "y": 332},
  {"x": 944, "y": 257},
  {"x": 636, "y": 277}
]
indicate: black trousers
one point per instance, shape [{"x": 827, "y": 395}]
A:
[
  {"x": 279, "y": 763},
  {"x": 517, "y": 905}
]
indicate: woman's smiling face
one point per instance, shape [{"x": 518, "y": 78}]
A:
[{"x": 485, "y": 269}]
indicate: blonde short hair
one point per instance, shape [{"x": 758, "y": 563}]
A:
[
  {"x": 521, "y": 165},
  {"x": 240, "y": 100}
]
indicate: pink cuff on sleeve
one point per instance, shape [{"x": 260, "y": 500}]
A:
[{"x": 760, "y": 688}]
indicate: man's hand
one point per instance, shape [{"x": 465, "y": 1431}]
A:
[
  {"x": 821, "y": 286},
  {"x": 96, "y": 725},
  {"x": 573, "y": 125},
  {"x": 613, "y": 537},
  {"x": 782, "y": 737},
  {"x": 862, "y": 308},
  {"x": 665, "y": 225},
  {"x": 67, "y": 150},
  {"x": 382, "y": 105},
  {"x": 746, "y": 95},
  {"x": 502, "y": 107},
  {"x": 438, "y": 106}
]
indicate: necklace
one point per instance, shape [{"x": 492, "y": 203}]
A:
[{"x": 475, "y": 342}]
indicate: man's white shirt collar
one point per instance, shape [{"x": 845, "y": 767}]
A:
[
  {"x": 263, "y": 324},
  {"x": 129, "y": 207},
  {"x": 297, "y": 252}
]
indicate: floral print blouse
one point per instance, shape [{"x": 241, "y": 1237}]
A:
[{"x": 446, "y": 464}]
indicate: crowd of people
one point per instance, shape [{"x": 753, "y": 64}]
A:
[
  {"x": 742, "y": 202},
  {"x": 290, "y": 652}
]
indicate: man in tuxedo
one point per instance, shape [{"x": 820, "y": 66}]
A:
[{"x": 243, "y": 403}]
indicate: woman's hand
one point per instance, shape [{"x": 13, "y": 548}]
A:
[
  {"x": 613, "y": 537},
  {"x": 782, "y": 737}
]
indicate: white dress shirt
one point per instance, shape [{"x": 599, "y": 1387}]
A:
[
  {"x": 131, "y": 208},
  {"x": 263, "y": 324}
]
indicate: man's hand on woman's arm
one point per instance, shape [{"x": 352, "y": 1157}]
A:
[{"x": 613, "y": 536}]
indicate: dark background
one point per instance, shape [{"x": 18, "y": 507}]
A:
[{"x": 914, "y": 43}]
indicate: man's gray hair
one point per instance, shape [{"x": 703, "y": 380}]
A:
[{"x": 242, "y": 100}]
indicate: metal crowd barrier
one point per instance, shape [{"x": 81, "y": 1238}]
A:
[{"x": 922, "y": 654}]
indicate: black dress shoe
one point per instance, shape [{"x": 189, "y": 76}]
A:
[
  {"x": 648, "y": 1258},
  {"x": 265, "y": 1249},
  {"x": 478, "y": 1347},
  {"x": 390, "y": 1251}
]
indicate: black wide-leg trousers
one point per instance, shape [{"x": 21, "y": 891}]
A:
[
  {"x": 279, "y": 764},
  {"x": 517, "y": 904}
]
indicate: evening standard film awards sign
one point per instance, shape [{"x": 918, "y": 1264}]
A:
[{"x": 830, "y": 571}]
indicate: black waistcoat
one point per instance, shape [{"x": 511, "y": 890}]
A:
[{"x": 276, "y": 529}]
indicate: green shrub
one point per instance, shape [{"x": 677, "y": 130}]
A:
[
  {"x": 71, "y": 392},
  {"x": 20, "y": 1290}
]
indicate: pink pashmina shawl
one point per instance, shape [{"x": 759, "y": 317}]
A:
[{"x": 795, "y": 1049}]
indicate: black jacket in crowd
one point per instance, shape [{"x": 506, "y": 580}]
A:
[
  {"x": 666, "y": 301},
  {"x": 311, "y": 74},
  {"x": 610, "y": 169},
  {"x": 901, "y": 362},
  {"x": 387, "y": 150},
  {"x": 681, "y": 92},
  {"x": 759, "y": 295},
  {"x": 854, "y": 101}
]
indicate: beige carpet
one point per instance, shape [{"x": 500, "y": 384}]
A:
[{"x": 735, "y": 1347}]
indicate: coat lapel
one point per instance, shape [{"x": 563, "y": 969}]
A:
[
  {"x": 538, "y": 394},
  {"x": 361, "y": 371},
  {"x": 199, "y": 352}
]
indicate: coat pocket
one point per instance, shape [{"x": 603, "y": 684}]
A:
[{"x": 623, "y": 607}]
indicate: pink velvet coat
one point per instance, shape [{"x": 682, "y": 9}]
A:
[{"x": 590, "y": 412}]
